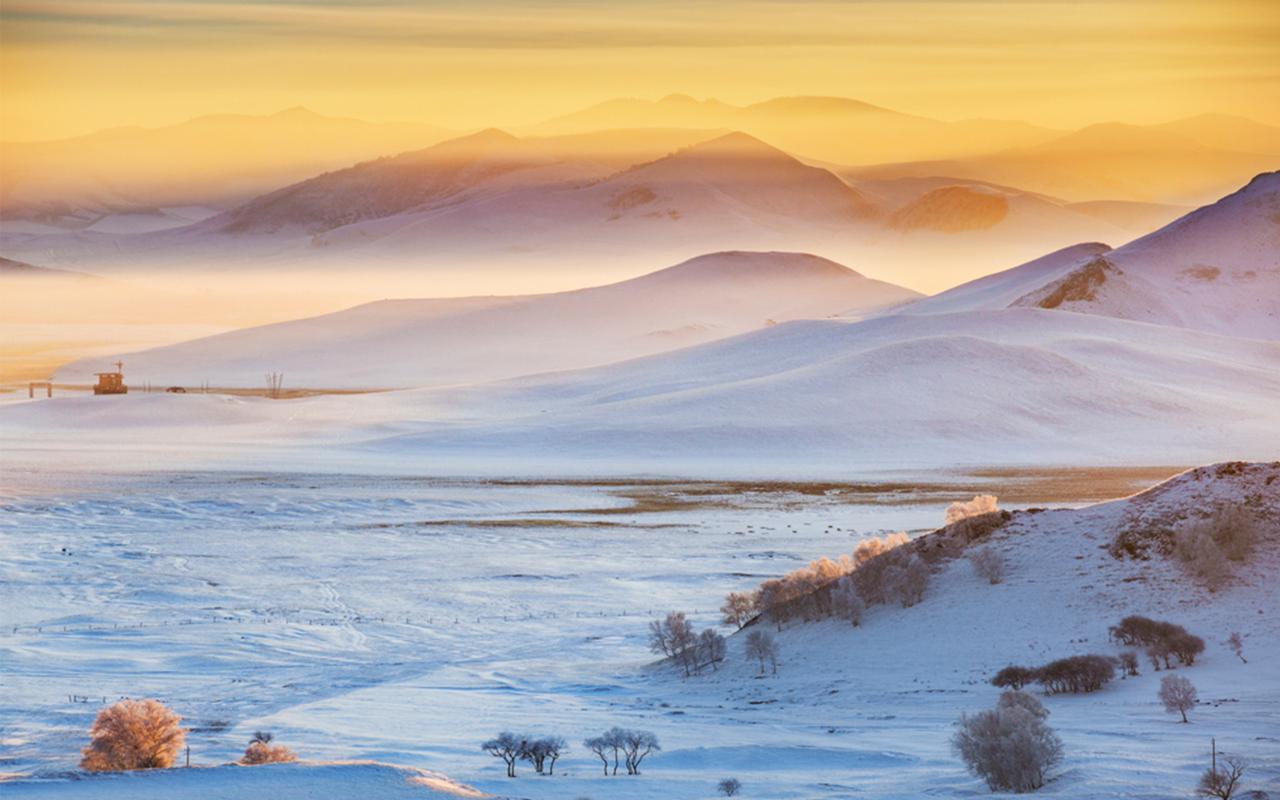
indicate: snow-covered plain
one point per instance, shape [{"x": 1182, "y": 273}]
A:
[{"x": 405, "y": 620}]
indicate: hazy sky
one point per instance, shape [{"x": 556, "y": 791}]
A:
[{"x": 71, "y": 66}]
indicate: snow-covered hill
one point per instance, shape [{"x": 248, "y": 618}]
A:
[
  {"x": 401, "y": 343},
  {"x": 299, "y": 781},
  {"x": 1216, "y": 269}
]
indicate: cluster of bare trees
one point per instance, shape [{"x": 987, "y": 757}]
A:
[
  {"x": 1075, "y": 674},
  {"x": 1164, "y": 641},
  {"x": 1010, "y": 746},
  {"x": 625, "y": 745},
  {"x": 540, "y": 751},
  {"x": 675, "y": 638},
  {"x": 877, "y": 571},
  {"x": 762, "y": 647}
]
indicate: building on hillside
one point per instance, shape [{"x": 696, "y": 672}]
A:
[{"x": 111, "y": 382}]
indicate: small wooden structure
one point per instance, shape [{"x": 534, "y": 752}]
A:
[
  {"x": 111, "y": 382},
  {"x": 33, "y": 385}
]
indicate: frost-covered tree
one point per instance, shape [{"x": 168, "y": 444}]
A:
[
  {"x": 674, "y": 637},
  {"x": 738, "y": 608},
  {"x": 980, "y": 504},
  {"x": 1236, "y": 643},
  {"x": 1128, "y": 663},
  {"x": 601, "y": 748},
  {"x": 846, "y": 603},
  {"x": 906, "y": 582},
  {"x": 133, "y": 734},
  {"x": 711, "y": 648},
  {"x": 635, "y": 746},
  {"x": 761, "y": 646},
  {"x": 542, "y": 753},
  {"x": 507, "y": 746},
  {"x": 1178, "y": 694},
  {"x": 987, "y": 564},
  {"x": 1010, "y": 747}
]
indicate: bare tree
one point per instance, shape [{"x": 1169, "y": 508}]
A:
[
  {"x": 600, "y": 748},
  {"x": 846, "y": 602},
  {"x": 1010, "y": 747},
  {"x": 542, "y": 751},
  {"x": 275, "y": 381},
  {"x": 710, "y": 649},
  {"x": 1177, "y": 694},
  {"x": 729, "y": 787},
  {"x": 672, "y": 636},
  {"x": 636, "y": 745},
  {"x": 1128, "y": 663},
  {"x": 508, "y": 747},
  {"x": 1236, "y": 643},
  {"x": 762, "y": 647},
  {"x": 738, "y": 608},
  {"x": 1221, "y": 782},
  {"x": 133, "y": 734},
  {"x": 988, "y": 564}
]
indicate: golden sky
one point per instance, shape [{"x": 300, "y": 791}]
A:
[{"x": 73, "y": 66}]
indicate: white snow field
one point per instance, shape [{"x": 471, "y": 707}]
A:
[
  {"x": 404, "y": 620},
  {"x": 409, "y": 343}
]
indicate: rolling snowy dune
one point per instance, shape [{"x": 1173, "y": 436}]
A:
[{"x": 405, "y": 343}]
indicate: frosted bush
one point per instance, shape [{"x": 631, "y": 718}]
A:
[
  {"x": 980, "y": 504},
  {"x": 988, "y": 564},
  {"x": 133, "y": 734},
  {"x": 1010, "y": 747}
]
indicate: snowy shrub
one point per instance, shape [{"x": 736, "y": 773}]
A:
[
  {"x": 906, "y": 581},
  {"x": 133, "y": 734},
  {"x": 980, "y": 504},
  {"x": 761, "y": 646},
  {"x": 737, "y": 609},
  {"x": 1208, "y": 545},
  {"x": 1014, "y": 677},
  {"x": 988, "y": 564},
  {"x": 1178, "y": 694},
  {"x": 261, "y": 751},
  {"x": 507, "y": 746},
  {"x": 1076, "y": 674},
  {"x": 1023, "y": 700},
  {"x": 729, "y": 787},
  {"x": 1128, "y": 663},
  {"x": 1010, "y": 747}
]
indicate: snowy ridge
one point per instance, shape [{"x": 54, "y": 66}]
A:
[
  {"x": 405, "y": 343},
  {"x": 1216, "y": 269},
  {"x": 295, "y": 781}
]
